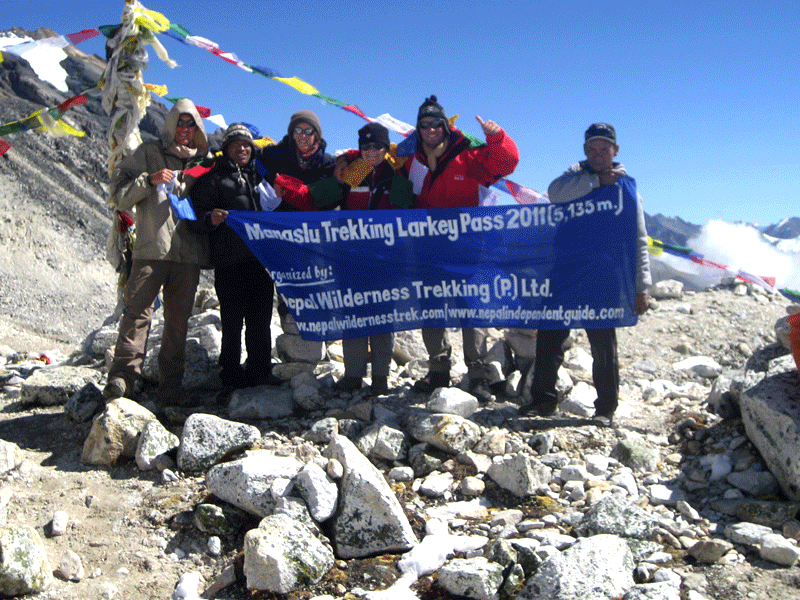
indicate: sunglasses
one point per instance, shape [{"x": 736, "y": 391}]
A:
[
  {"x": 431, "y": 124},
  {"x": 304, "y": 131},
  {"x": 186, "y": 123},
  {"x": 372, "y": 146}
]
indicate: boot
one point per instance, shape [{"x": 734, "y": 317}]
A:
[
  {"x": 348, "y": 384},
  {"x": 432, "y": 381}
]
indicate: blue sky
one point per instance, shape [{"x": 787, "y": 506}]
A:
[{"x": 705, "y": 97}]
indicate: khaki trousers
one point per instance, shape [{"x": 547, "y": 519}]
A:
[{"x": 179, "y": 283}]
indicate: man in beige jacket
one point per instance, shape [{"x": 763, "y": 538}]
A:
[{"x": 166, "y": 256}]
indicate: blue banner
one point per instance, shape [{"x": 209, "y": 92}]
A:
[{"x": 348, "y": 274}]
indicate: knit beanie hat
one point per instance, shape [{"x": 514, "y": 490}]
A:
[
  {"x": 305, "y": 116},
  {"x": 432, "y": 108},
  {"x": 237, "y": 132},
  {"x": 373, "y": 132}
]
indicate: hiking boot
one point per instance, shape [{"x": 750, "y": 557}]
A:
[
  {"x": 480, "y": 389},
  {"x": 267, "y": 378},
  {"x": 348, "y": 384},
  {"x": 538, "y": 410},
  {"x": 432, "y": 381},
  {"x": 379, "y": 385},
  {"x": 603, "y": 419},
  {"x": 115, "y": 388}
]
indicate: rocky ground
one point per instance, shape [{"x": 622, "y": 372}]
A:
[{"x": 133, "y": 530}]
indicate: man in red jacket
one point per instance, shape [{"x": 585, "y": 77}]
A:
[{"x": 447, "y": 172}]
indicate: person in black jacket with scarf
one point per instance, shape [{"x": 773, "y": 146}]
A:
[
  {"x": 300, "y": 154},
  {"x": 244, "y": 288}
]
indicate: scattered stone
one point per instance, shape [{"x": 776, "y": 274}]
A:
[
  {"x": 24, "y": 568},
  {"x": 208, "y": 438},
  {"x": 115, "y": 432},
  {"x": 154, "y": 441},
  {"x": 282, "y": 555}
]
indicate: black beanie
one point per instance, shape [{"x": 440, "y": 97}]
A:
[
  {"x": 432, "y": 108},
  {"x": 373, "y": 132}
]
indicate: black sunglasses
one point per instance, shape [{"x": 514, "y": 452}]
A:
[
  {"x": 304, "y": 130},
  {"x": 186, "y": 123},
  {"x": 431, "y": 125},
  {"x": 372, "y": 146}
]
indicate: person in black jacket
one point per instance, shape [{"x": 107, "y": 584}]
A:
[
  {"x": 244, "y": 288},
  {"x": 300, "y": 154}
]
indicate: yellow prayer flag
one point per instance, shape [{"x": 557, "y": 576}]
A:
[
  {"x": 355, "y": 172},
  {"x": 652, "y": 248},
  {"x": 298, "y": 84},
  {"x": 263, "y": 142},
  {"x": 152, "y": 20},
  {"x": 158, "y": 90},
  {"x": 395, "y": 161}
]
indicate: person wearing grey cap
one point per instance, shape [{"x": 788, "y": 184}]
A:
[
  {"x": 300, "y": 154},
  {"x": 599, "y": 169},
  {"x": 244, "y": 288}
]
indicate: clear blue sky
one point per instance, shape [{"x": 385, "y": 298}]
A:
[{"x": 705, "y": 97}]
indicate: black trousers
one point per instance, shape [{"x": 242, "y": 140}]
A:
[
  {"x": 605, "y": 367},
  {"x": 245, "y": 291}
]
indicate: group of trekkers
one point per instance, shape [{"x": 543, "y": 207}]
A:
[{"x": 446, "y": 171}]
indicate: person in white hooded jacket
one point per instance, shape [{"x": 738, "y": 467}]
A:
[{"x": 167, "y": 255}]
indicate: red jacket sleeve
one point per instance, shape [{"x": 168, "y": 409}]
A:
[{"x": 497, "y": 159}]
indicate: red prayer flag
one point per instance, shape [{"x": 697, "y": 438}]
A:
[
  {"x": 82, "y": 36},
  {"x": 4, "y": 146}
]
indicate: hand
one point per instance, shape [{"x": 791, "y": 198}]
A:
[
  {"x": 162, "y": 176},
  {"x": 218, "y": 216},
  {"x": 610, "y": 176},
  {"x": 641, "y": 304},
  {"x": 341, "y": 164},
  {"x": 489, "y": 127}
]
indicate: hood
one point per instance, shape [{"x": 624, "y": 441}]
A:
[{"x": 184, "y": 105}]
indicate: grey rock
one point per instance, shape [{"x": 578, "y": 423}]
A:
[
  {"x": 710, "y": 551},
  {"x": 754, "y": 482},
  {"x": 115, "y": 432},
  {"x": 471, "y": 577},
  {"x": 24, "y": 568},
  {"x": 595, "y": 568},
  {"x": 282, "y": 555},
  {"x": 218, "y": 520},
  {"x": 382, "y": 441},
  {"x": 521, "y": 474},
  {"x": 453, "y": 401},
  {"x": 55, "y": 385},
  {"x": 249, "y": 483},
  {"x": 771, "y": 417},
  {"x": 450, "y": 433},
  {"x": 70, "y": 568},
  {"x": 666, "y": 290},
  {"x": 319, "y": 492},
  {"x": 85, "y": 403},
  {"x": 637, "y": 455},
  {"x": 208, "y": 438},
  {"x": 618, "y": 516},
  {"x": 154, "y": 441},
  {"x": 370, "y": 519},
  {"x": 776, "y": 548},
  {"x": 11, "y": 457},
  {"x": 664, "y": 590},
  {"x": 747, "y": 533},
  {"x": 259, "y": 403}
]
